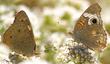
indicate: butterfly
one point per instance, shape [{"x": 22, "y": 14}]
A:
[
  {"x": 19, "y": 36},
  {"x": 89, "y": 29}
]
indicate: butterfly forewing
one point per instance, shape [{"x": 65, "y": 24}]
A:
[
  {"x": 19, "y": 36},
  {"x": 89, "y": 29}
]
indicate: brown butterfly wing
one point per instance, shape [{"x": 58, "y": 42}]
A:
[
  {"x": 93, "y": 36},
  {"x": 19, "y": 36}
]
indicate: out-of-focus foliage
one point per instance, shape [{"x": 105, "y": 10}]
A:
[
  {"x": 2, "y": 29},
  {"x": 50, "y": 53},
  {"x": 107, "y": 26},
  {"x": 31, "y": 3},
  {"x": 66, "y": 16},
  {"x": 7, "y": 2},
  {"x": 77, "y": 6},
  {"x": 51, "y": 26},
  {"x": 37, "y": 3}
]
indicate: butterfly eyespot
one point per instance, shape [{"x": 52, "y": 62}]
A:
[{"x": 93, "y": 21}]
